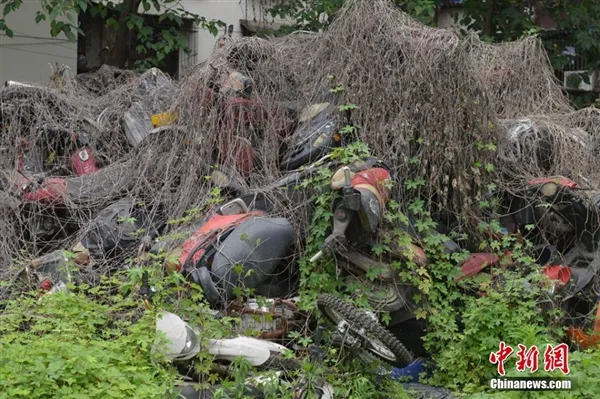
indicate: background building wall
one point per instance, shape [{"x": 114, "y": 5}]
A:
[
  {"x": 228, "y": 11},
  {"x": 28, "y": 55}
]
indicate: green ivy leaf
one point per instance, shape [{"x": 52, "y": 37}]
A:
[{"x": 69, "y": 34}]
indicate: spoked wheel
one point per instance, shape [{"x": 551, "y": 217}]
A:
[{"x": 359, "y": 324}]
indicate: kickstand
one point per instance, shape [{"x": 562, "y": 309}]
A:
[{"x": 315, "y": 349}]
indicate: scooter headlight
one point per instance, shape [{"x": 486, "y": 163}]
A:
[{"x": 191, "y": 341}]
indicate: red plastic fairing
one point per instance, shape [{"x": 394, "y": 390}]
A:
[
  {"x": 242, "y": 153},
  {"x": 475, "y": 263},
  {"x": 242, "y": 110},
  {"x": 52, "y": 190},
  {"x": 215, "y": 225},
  {"x": 587, "y": 341},
  {"x": 559, "y": 273},
  {"x": 561, "y": 181},
  {"x": 375, "y": 177}
]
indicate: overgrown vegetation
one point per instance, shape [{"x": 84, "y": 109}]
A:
[
  {"x": 576, "y": 25},
  {"x": 466, "y": 320},
  {"x": 96, "y": 342},
  {"x": 85, "y": 344}
]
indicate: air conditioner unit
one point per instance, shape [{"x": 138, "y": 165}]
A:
[{"x": 572, "y": 77}]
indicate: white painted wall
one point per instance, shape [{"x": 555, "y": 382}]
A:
[
  {"x": 26, "y": 56},
  {"x": 228, "y": 11}
]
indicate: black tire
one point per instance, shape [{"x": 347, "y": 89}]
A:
[{"x": 337, "y": 310}]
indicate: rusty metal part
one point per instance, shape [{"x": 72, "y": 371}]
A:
[{"x": 272, "y": 312}]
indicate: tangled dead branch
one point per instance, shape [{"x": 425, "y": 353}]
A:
[{"x": 426, "y": 102}]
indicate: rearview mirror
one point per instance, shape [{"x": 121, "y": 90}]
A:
[{"x": 234, "y": 207}]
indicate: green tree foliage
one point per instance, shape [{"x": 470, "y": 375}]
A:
[
  {"x": 133, "y": 43},
  {"x": 577, "y": 25},
  {"x": 314, "y": 15}
]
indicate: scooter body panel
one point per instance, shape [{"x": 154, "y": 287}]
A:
[
  {"x": 259, "y": 245},
  {"x": 213, "y": 226},
  {"x": 256, "y": 351}
]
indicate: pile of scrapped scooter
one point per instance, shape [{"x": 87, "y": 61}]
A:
[{"x": 215, "y": 174}]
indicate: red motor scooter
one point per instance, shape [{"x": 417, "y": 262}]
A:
[
  {"x": 46, "y": 202},
  {"x": 235, "y": 247}
]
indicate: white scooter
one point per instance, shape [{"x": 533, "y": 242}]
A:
[{"x": 183, "y": 344}]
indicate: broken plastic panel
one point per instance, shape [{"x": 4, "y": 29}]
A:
[{"x": 137, "y": 123}]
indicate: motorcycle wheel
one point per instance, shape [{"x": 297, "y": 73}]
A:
[{"x": 380, "y": 342}]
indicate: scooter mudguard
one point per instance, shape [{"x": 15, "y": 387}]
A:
[
  {"x": 366, "y": 263},
  {"x": 370, "y": 212},
  {"x": 258, "y": 245},
  {"x": 202, "y": 277},
  {"x": 384, "y": 296},
  {"x": 256, "y": 351},
  {"x": 410, "y": 252}
]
